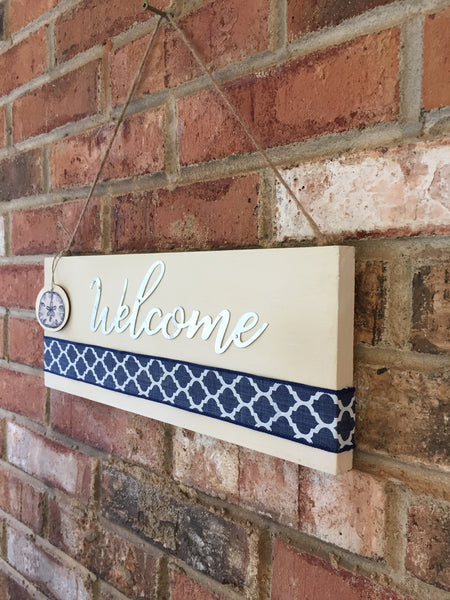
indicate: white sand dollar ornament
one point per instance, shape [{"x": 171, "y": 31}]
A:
[{"x": 52, "y": 308}]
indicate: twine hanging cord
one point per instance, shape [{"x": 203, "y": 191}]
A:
[
  {"x": 321, "y": 238},
  {"x": 131, "y": 91}
]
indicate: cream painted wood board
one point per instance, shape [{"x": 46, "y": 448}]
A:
[{"x": 304, "y": 294}]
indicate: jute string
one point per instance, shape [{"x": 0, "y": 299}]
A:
[
  {"x": 317, "y": 233},
  {"x": 131, "y": 91},
  {"x": 321, "y": 238}
]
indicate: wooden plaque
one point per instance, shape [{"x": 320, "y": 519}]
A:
[{"x": 254, "y": 347}]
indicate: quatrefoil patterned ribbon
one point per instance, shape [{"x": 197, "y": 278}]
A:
[{"x": 317, "y": 417}]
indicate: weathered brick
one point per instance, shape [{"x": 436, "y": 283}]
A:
[
  {"x": 2, "y": 21},
  {"x": 107, "y": 592},
  {"x": 53, "y": 463},
  {"x": 68, "y": 98},
  {"x": 298, "y": 576},
  {"x": 213, "y": 545},
  {"x": 21, "y": 175},
  {"x": 12, "y": 590},
  {"x": 304, "y": 16},
  {"x": 348, "y": 510},
  {"x": 20, "y": 284},
  {"x": 400, "y": 414},
  {"x": 431, "y": 308},
  {"x": 125, "y": 63},
  {"x": 352, "y": 85},
  {"x": 22, "y": 500},
  {"x": 36, "y": 564},
  {"x": 436, "y": 61},
  {"x": 181, "y": 588},
  {"x": 2, "y": 123},
  {"x": 2, "y": 237},
  {"x": 47, "y": 230},
  {"x": 210, "y": 214},
  {"x": 205, "y": 463},
  {"x": 2, "y": 437},
  {"x": 139, "y": 507},
  {"x": 402, "y": 191},
  {"x": 26, "y": 342},
  {"x": 221, "y": 34},
  {"x": 23, "y": 62},
  {"x": 370, "y": 301},
  {"x": 95, "y": 22},
  {"x": 124, "y": 434},
  {"x": 23, "y": 394},
  {"x": 2, "y": 336},
  {"x": 428, "y": 544},
  {"x": 205, "y": 541},
  {"x": 23, "y": 12},
  {"x": 269, "y": 485},
  {"x": 171, "y": 63},
  {"x": 137, "y": 149},
  {"x": 127, "y": 566}
]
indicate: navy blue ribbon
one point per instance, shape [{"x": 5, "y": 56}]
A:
[{"x": 318, "y": 417}]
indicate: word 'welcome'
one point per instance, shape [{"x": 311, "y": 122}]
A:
[{"x": 173, "y": 323}]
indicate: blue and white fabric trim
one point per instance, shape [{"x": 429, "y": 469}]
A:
[{"x": 317, "y": 417}]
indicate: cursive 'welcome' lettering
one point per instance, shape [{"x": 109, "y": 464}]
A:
[{"x": 172, "y": 324}]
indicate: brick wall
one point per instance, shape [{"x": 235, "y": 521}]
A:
[{"x": 352, "y": 101}]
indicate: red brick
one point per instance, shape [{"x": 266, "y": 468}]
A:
[
  {"x": 431, "y": 308},
  {"x": 436, "y": 61},
  {"x": 125, "y": 62},
  {"x": 2, "y": 338},
  {"x": 53, "y": 463},
  {"x": 21, "y": 175},
  {"x": 95, "y": 22},
  {"x": 47, "y": 230},
  {"x": 347, "y": 510},
  {"x": 109, "y": 593},
  {"x": 352, "y": 85},
  {"x": 69, "y": 98},
  {"x": 343, "y": 194},
  {"x": 269, "y": 485},
  {"x": 2, "y": 22},
  {"x": 182, "y": 588},
  {"x": 370, "y": 301},
  {"x": 127, "y": 566},
  {"x": 23, "y": 62},
  {"x": 298, "y": 576},
  {"x": 428, "y": 547},
  {"x": 23, "y": 394},
  {"x": 20, "y": 284},
  {"x": 137, "y": 149},
  {"x": 210, "y": 214},
  {"x": 50, "y": 574},
  {"x": 304, "y": 16},
  {"x": 2, "y": 127},
  {"x": 124, "y": 434},
  {"x": 400, "y": 414},
  {"x": 22, "y": 500},
  {"x": 23, "y": 12},
  {"x": 221, "y": 34},
  {"x": 26, "y": 342},
  {"x": 205, "y": 463},
  {"x": 13, "y": 590},
  {"x": 2, "y": 437},
  {"x": 2, "y": 236},
  {"x": 204, "y": 540}
]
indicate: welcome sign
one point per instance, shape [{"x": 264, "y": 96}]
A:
[{"x": 253, "y": 347}]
